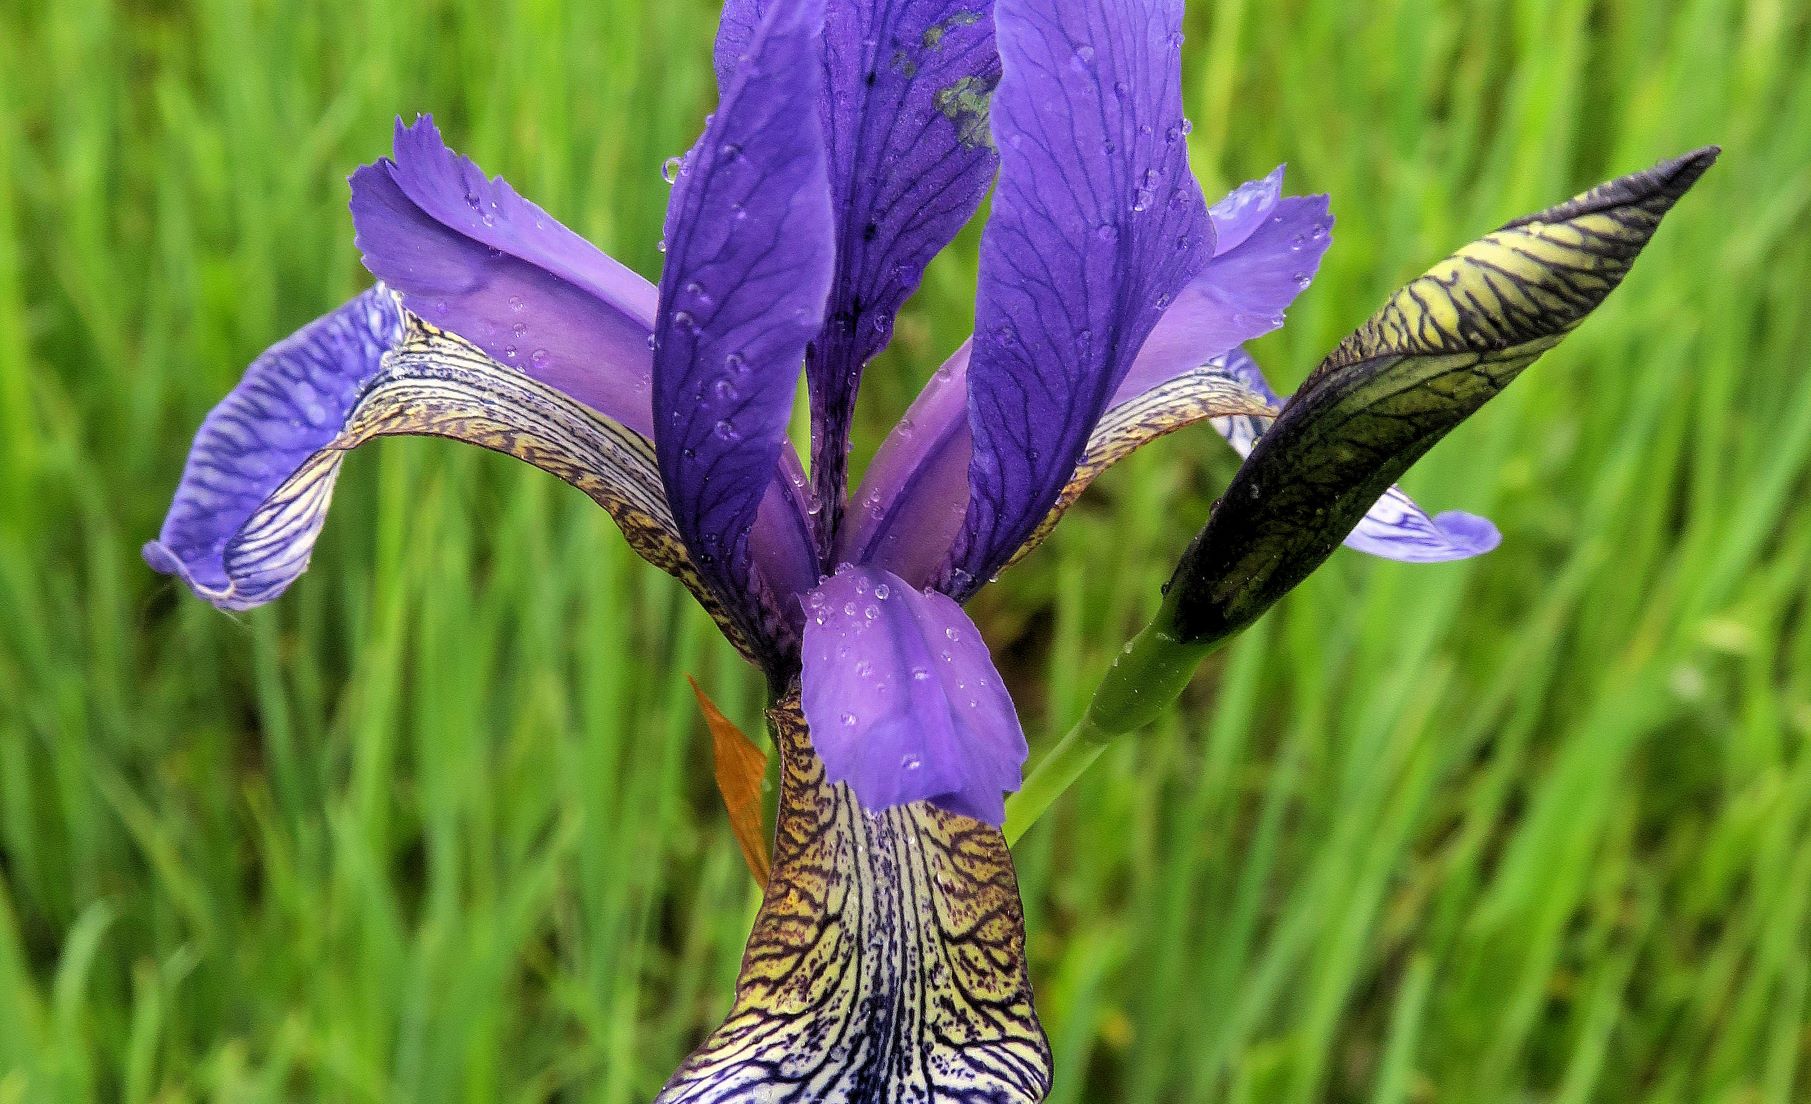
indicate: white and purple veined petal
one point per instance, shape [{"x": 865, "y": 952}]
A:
[
  {"x": 1395, "y": 528},
  {"x": 748, "y": 265},
  {"x": 903, "y": 700}
]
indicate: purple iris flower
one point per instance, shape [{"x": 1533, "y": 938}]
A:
[{"x": 1111, "y": 308}]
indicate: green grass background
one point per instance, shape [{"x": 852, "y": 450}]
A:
[{"x": 439, "y": 825}]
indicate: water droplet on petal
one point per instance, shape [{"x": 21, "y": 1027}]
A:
[
  {"x": 881, "y": 590},
  {"x": 671, "y": 168}
]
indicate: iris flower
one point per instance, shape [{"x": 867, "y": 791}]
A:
[{"x": 851, "y": 142}]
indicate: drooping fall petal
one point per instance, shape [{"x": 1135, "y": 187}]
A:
[{"x": 887, "y": 963}]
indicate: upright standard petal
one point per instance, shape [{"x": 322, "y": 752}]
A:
[
  {"x": 903, "y": 699},
  {"x": 749, "y": 257},
  {"x": 471, "y": 256},
  {"x": 1096, "y": 226},
  {"x": 912, "y": 501},
  {"x": 906, "y": 94}
]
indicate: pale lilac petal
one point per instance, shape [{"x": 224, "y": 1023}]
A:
[
  {"x": 905, "y": 100},
  {"x": 749, "y": 256},
  {"x": 903, "y": 700}
]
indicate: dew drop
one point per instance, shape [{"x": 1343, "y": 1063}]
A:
[
  {"x": 848, "y": 720},
  {"x": 509, "y": 352},
  {"x": 726, "y": 431},
  {"x": 881, "y": 591},
  {"x": 670, "y": 168},
  {"x": 520, "y": 329},
  {"x": 539, "y": 358},
  {"x": 952, "y": 634},
  {"x": 724, "y": 390},
  {"x": 516, "y": 304},
  {"x": 910, "y": 762}
]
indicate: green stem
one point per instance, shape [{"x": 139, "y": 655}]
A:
[{"x": 1146, "y": 678}]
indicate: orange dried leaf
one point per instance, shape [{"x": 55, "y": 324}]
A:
[{"x": 740, "y": 767}]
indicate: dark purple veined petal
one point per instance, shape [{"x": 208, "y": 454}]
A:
[
  {"x": 1395, "y": 528},
  {"x": 471, "y": 256},
  {"x": 1096, "y": 226},
  {"x": 911, "y": 502},
  {"x": 906, "y": 100},
  {"x": 749, "y": 256},
  {"x": 294, "y": 399},
  {"x": 903, "y": 699}
]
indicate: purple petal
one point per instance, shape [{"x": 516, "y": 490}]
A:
[
  {"x": 471, "y": 256},
  {"x": 749, "y": 255},
  {"x": 906, "y": 90},
  {"x": 1396, "y": 528},
  {"x": 293, "y": 400},
  {"x": 1096, "y": 226},
  {"x": 903, "y": 700},
  {"x": 910, "y": 503},
  {"x": 1275, "y": 249}
]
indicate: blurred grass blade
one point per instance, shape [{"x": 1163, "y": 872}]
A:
[
  {"x": 740, "y": 768},
  {"x": 1440, "y": 348}
]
